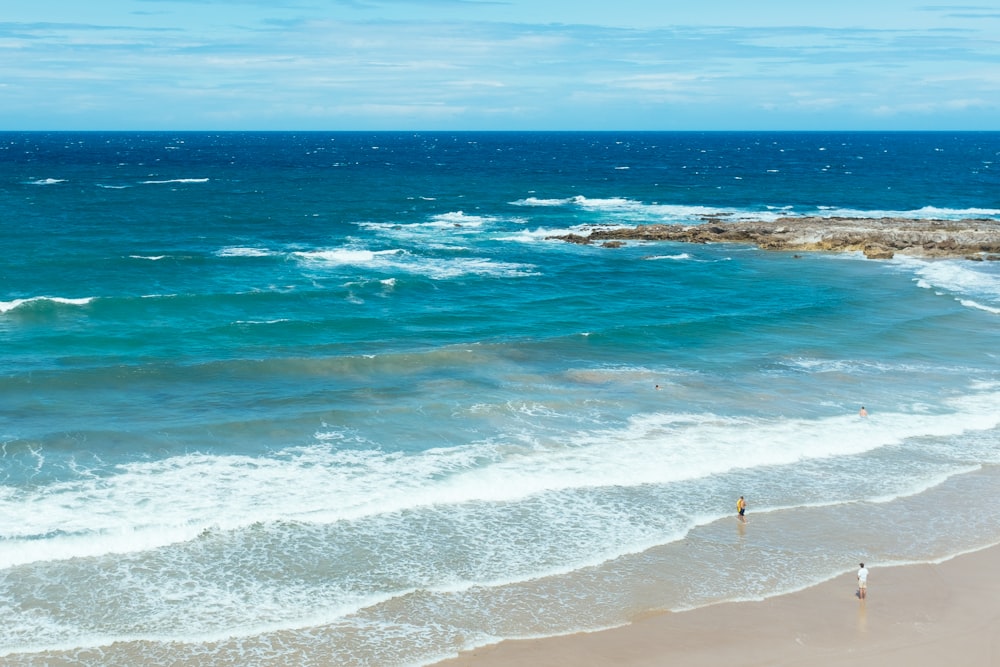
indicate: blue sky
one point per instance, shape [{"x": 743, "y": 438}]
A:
[{"x": 498, "y": 64}]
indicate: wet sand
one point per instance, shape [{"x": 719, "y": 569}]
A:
[{"x": 914, "y": 616}]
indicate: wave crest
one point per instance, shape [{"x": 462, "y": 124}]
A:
[{"x": 37, "y": 301}]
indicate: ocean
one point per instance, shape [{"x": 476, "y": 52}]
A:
[{"x": 339, "y": 399}]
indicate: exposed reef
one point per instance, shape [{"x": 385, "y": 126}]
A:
[{"x": 878, "y": 238}]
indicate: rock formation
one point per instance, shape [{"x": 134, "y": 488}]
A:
[{"x": 877, "y": 238}]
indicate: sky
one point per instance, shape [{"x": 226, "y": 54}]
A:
[{"x": 499, "y": 65}]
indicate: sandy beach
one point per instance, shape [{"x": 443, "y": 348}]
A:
[{"x": 917, "y": 615}]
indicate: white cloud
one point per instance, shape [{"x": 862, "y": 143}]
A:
[
  {"x": 234, "y": 62},
  {"x": 932, "y": 107}
]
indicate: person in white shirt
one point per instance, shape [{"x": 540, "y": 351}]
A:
[{"x": 862, "y": 582}]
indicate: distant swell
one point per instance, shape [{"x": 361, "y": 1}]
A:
[{"x": 177, "y": 180}]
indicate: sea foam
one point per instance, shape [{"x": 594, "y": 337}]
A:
[
  {"x": 173, "y": 500},
  {"x": 976, "y": 285},
  {"x": 175, "y": 180},
  {"x": 7, "y": 306}
]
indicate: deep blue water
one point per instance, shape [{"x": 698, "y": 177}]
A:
[{"x": 285, "y": 395}]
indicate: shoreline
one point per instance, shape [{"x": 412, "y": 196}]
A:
[
  {"x": 975, "y": 239},
  {"x": 921, "y": 615}
]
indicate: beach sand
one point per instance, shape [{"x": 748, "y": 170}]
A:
[{"x": 915, "y": 615}]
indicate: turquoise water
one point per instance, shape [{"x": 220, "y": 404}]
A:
[{"x": 338, "y": 398}]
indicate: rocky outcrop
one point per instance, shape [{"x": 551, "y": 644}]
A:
[{"x": 877, "y": 238}]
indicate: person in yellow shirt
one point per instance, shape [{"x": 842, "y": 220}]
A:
[{"x": 741, "y": 508}]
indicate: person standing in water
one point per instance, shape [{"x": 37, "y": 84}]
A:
[
  {"x": 741, "y": 508},
  {"x": 863, "y": 412},
  {"x": 863, "y": 582}
]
